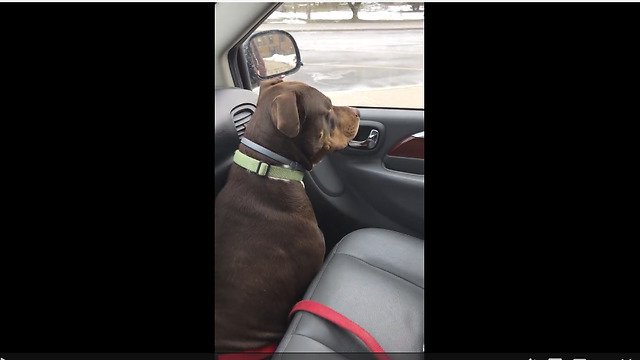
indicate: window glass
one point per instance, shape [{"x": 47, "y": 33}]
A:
[{"x": 370, "y": 54}]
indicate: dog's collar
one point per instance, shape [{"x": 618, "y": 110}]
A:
[
  {"x": 266, "y": 152},
  {"x": 263, "y": 169}
]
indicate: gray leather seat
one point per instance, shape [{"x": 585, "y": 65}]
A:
[{"x": 374, "y": 277}]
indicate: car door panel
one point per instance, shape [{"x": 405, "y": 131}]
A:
[
  {"x": 407, "y": 155},
  {"x": 369, "y": 187}
]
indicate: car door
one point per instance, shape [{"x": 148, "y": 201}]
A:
[{"x": 378, "y": 180}]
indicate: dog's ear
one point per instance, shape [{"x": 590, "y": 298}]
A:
[{"x": 284, "y": 114}]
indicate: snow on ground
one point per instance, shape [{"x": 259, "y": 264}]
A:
[
  {"x": 285, "y": 59},
  {"x": 400, "y": 12}
]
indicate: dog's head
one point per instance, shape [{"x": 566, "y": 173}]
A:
[{"x": 300, "y": 122}]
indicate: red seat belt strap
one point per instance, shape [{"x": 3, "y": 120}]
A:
[
  {"x": 335, "y": 317},
  {"x": 252, "y": 354}
]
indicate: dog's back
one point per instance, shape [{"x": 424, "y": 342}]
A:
[{"x": 267, "y": 249}]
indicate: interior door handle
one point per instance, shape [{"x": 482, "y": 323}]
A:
[{"x": 369, "y": 143}]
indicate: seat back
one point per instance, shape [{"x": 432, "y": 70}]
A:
[
  {"x": 233, "y": 110},
  {"x": 375, "y": 278}
]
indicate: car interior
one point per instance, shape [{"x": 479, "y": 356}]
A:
[{"x": 368, "y": 200}]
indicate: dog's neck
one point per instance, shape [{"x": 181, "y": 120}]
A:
[
  {"x": 287, "y": 163},
  {"x": 286, "y": 149}
]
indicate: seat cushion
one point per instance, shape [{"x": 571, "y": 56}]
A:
[{"x": 374, "y": 277}]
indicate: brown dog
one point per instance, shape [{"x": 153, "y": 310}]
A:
[{"x": 268, "y": 246}]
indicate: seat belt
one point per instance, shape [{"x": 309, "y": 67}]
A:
[
  {"x": 324, "y": 312},
  {"x": 342, "y": 321},
  {"x": 258, "y": 354}
]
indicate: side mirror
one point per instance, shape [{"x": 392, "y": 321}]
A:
[{"x": 269, "y": 54}]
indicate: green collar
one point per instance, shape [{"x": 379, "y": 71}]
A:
[{"x": 263, "y": 169}]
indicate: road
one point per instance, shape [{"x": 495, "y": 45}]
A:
[{"x": 360, "y": 60}]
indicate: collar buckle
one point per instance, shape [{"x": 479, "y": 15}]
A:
[{"x": 263, "y": 168}]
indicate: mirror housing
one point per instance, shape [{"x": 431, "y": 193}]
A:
[{"x": 270, "y": 54}]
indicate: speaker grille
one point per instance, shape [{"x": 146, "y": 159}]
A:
[{"x": 241, "y": 115}]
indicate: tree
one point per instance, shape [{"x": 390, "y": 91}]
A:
[
  {"x": 355, "y": 6},
  {"x": 416, "y": 6},
  {"x": 308, "y": 11}
]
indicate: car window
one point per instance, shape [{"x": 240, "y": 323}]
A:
[{"x": 358, "y": 54}]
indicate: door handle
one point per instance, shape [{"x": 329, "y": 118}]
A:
[{"x": 369, "y": 143}]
